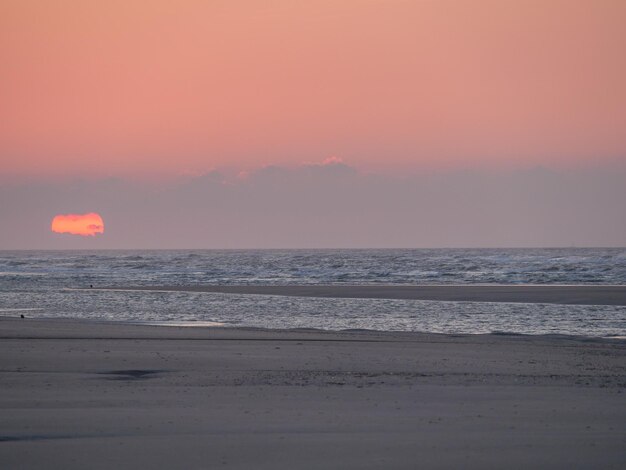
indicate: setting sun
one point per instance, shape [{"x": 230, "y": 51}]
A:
[{"x": 78, "y": 224}]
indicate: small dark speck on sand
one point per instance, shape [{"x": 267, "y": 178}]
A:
[{"x": 131, "y": 374}]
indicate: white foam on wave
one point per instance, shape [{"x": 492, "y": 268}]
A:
[
  {"x": 19, "y": 309},
  {"x": 21, "y": 273}
]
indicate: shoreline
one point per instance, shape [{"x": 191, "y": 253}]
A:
[{"x": 213, "y": 325}]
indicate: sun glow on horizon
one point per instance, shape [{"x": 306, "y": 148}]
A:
[{"x": 87, "y": 225}]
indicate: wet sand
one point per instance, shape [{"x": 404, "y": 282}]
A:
[
  {"x": 77, "y": 394},
  {"x": 569, "y": 295}
]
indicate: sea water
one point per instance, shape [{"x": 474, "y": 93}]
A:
[{"x": 49, "y": 284}]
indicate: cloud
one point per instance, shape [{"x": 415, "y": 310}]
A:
[
  {"x": 88, "y": 224},
  {"x": 332, "y": 161},
  {"x": 325, "y": 206},
  {"x": 334, "y": 166}
]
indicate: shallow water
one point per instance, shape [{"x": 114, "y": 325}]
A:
[{"x": 44, "y": 280}]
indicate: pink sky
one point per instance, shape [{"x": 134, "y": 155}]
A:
[{"x": 143, "y": 87}]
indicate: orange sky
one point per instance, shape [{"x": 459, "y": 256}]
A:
[{"x": 155, "y": 86}]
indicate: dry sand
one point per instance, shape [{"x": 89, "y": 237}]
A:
[
  {"x": 108, "y": 395},
  {"x": 556, "y": 294}
]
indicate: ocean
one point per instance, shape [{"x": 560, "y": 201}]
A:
[{"x": 50, "y": 284}]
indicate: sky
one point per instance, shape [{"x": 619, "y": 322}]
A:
[{"x": 365, "y": 123}]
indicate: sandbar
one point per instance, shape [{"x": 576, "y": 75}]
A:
[{"x": 555, "y": 294}]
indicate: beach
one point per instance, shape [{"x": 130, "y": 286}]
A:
[
  {"x": 87, "y": 394},
  {"x": 282, "y": 235}
]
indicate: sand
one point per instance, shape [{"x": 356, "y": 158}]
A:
[
  {"x": 557, "y": 294},
  {"x": 78, "y": 394}
]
